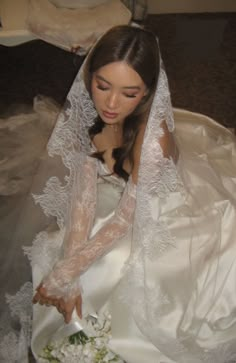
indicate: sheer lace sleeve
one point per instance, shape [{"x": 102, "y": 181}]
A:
[
  {"x": 81, "y": 214},
  {"x": 63, "y": 281}
]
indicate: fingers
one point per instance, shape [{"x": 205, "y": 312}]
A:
[
  {"x": 59, "y": 307},
  {"x": 38, "y": 295},
  {"x": 78, "y": 306},
  {"x": 41, "y": 297},
  {"x": 67, "y": 307},
  {"x": 36, "y": 298},
  {"x": 68, "y": 310},
  {"x": 64, "y": 307}
]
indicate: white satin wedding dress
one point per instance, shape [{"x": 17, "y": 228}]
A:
[{"x": 202, "y": 307}]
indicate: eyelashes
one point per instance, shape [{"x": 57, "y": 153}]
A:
[
  {"x": 130, "y": 96},
  {"x": 102, "y": 88}
]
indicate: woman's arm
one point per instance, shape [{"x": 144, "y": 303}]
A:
[
  {"x": 74, "y": 264},
  {"x": 81, "y": 215},
  {"x": 62, "y": 280},
  {"x": 61, "y": 287},
  {"x": 78, "y": 225}
]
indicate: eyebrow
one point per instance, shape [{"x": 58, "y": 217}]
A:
[{"x": 126, "y": 87}]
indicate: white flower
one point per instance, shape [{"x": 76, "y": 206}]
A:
[
  {"x": 86, "y": 348},
  {"x": 99, "y": 342},
  {"x": 109, "y": 356}
]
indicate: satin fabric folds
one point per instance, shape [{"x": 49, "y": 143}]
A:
[{"x": 195, "y": 276}]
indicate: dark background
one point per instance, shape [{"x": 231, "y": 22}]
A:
[{"x": 199, "y": 52}]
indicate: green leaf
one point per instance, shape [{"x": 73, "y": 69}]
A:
[{"x": 78, "y": 338}]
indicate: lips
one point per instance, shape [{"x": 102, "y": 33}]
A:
[{"x": 109, "y": 114}]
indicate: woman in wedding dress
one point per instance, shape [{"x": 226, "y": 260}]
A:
[{"x": 145, "y": 214}]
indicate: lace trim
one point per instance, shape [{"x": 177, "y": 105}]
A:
[
  {"x": 70, "y": 141},
  {"x": 63, "y": 280},
  {"x": 161, "y": 109},
  {"x": 14, "y": 345},
  {"x": 9, "y": 348},
  {"x": 45, "y": 250},
  {"x": 21, "y": 308},
  {"x": 158, "y": 178}
]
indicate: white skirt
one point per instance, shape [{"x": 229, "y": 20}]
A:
[{"x": 200, "y": 307}]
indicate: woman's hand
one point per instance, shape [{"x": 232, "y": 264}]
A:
[{"x": 64, "y": 307}]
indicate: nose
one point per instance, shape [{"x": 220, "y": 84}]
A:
[{"x": 112, "y": 100}]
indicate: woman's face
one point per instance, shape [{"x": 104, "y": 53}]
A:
[{"x": 117, "y": 89}]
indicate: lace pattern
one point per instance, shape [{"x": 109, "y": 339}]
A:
[
  {"x": 45, "y": 250},
  {"x": 151, "y": 237},
  {"x": 14, "y": 345},
  {"x": 63, "y": 281},
  {"x": 8, "y": 354},
  {"x": 71, "y": 142},
  {"x": 21, "y": 308}
]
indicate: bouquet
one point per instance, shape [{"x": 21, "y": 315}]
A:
[{"x": 89, "y": 347}]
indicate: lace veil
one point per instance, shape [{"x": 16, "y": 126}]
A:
[
  {"x": 158, "y": 178},
  {"x": 68, "y": 149},
  {"x": 64, "y": 167}
]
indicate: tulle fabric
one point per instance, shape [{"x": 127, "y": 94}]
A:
[
  {"x": 175, "y": 272},
  {"x": 192, "y": 277},
  {"x": 176, "y": 285}
]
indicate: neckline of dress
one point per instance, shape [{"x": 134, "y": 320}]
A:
[
  {"x": 94, "y": 149},
  {"x": 109, "y": 172}
]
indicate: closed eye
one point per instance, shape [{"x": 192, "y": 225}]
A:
[
  {"x": 130, "y": 96},
  {"x": 102, "y": 88}
]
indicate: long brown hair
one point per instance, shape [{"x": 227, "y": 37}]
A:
[{"x": 139, "y": 49}]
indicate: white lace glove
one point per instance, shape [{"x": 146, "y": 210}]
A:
[
  {"x": 83, "y": 205},
  {"x": 63, "y": 281}
]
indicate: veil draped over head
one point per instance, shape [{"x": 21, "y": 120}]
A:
[{"x": 147, "y": 282}]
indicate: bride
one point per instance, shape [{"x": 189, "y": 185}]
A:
[{"x": 145, "y": 214}]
